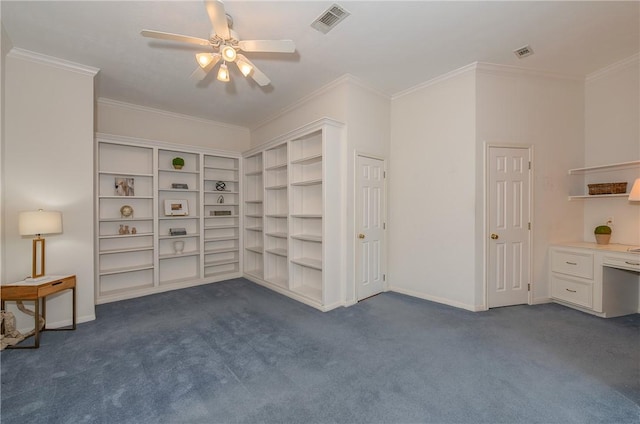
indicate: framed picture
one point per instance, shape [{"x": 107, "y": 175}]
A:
[
  {"x": 124, "y": 186},
  {"x": 176, "y": 207}
]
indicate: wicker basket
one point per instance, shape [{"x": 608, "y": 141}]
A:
[{"x": 607, "y": 188}]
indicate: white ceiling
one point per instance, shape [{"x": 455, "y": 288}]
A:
[{"x": 389, "y": 45}]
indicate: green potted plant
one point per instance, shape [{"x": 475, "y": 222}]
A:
[
  {"x": 603, "y": 234},
  {"x": 178, "y": 163}
]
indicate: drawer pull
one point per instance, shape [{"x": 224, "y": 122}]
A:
[
  {"x": 56, "y": 283},
  {"x": 632, "y": 263},
  {"x": 572, "y": 263},
  {"x": 572, "y": 291}
]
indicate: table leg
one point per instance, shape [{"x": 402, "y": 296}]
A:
[
  {"x": 37, "y": 319},
  {"x": 44, "y": 312},
  {"x": 2, "y": 329},
  {"x": 73, "y": 291}
]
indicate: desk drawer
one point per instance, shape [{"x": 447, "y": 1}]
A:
[
  {"x": 577, "y": 292},
  {"x": 630, "y": 262},
  {"x": 578, "y": 264}
]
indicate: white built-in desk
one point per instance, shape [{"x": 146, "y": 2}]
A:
[{"x": 603, "y": 280}]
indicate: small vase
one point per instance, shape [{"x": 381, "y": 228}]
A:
[
  {"x": 603, "y": 238},
  {"x": 178, "y": 247}
]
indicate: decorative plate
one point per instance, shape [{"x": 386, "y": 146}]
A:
[{"x": 126, "y": 211}]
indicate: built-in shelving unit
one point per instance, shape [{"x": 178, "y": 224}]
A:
[
  {"x": 616, "y": 172},
  {"x": 141, "y": 253},
  {"x": 253, "y": 215},
  {"x": 303, "y": 218}
]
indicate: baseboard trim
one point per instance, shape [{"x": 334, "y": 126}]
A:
[
  {"x": 448, "y": 302},
  {"x": 62, "y": 323},
  {"x": 541, "y": 300}
]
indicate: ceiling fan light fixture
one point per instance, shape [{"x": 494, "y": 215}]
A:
[
  {"x": 228, "y": 53},
  {"x": 244, "y": 67},
  {"x": 223, "y": 73},
  {"x": 204, "y": 59}
]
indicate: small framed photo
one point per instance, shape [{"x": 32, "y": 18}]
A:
[
  {"x": 176, "y": 207},
  {"x": 124, "y": 186}
]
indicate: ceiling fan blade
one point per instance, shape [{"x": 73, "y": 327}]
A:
[
  {"x": 200, "y": 73},
  {"x": 174, "y": 37},
  {"x": 257, "y": 75},
  {"x": 218, "y": 17},
  {"x": 272, "y": 46}
]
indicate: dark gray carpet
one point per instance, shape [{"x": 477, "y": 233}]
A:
[{"x": 236, "y": 352}]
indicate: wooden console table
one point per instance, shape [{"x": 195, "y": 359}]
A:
[{"x": 36, "y": 290}]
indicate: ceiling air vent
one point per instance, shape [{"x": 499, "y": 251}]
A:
[
  {"x": 523, "y": 51},
  {"x": 330, "y": 18}
]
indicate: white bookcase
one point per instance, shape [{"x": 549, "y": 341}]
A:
[
  {"x": 253, "y": 216},
  {"x": 299, "y": 251},
  {"x": 202, "y": 198}
]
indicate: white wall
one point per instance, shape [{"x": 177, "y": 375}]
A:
[
  {"x": 612, "y": 135},
  {"x": 5, "y": 43},
  {"x": 545, "y": 111},
  {"x": 48, "y": 163},
  {"x": 152, "y": 124},
  {"x": 432, "y": 191}
]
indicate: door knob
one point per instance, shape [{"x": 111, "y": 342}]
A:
[
  {"x": 360, "y": 236},
  {"x": 494, "y": 236}
]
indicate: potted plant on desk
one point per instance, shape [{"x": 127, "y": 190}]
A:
[{"x": 603, "y": 234}]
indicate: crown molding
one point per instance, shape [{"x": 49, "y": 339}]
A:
[
  {"x": 496, "y": 69},
  {"x": 55, "y": 62},
  {"x": 436, "y": 80},
  {"x": 123, "y": 139},
  {"x": 130, "y": 106},
  {"x": 614, "y": 67}
]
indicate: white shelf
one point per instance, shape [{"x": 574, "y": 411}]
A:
[
  {"x": 127, "y": 250},
  {"x": 253, "y": 201},
  {"x": 221, "y": 204},
  {"x": 178, "y": 236},
  {"x": 146, "y": 218},
  {"x": 248, "y": 174},
  {"x": 179, "y": 255},
  {"x": 220, "y": 216},
  {"x": 253, "y": 228},
  {"x": 307, "y": 237},
  {"x": 255, "y": 249},
  {"x": 219, "y": 191},
  {"x": 308, "y": 262},
  {"x": 116, "y": 236},
  {"x": 279, "y": 281},
  {"x": 178, "y": 171},
  {"x": 221, "y": 262},
  {"x": 125, "y": 174},
  {"x": 222, "y": 238},
  {"x": 306, "y": 215},
  {"x": 279, "y": 252},
  {"x": 276, "y": 215},
  {"x": 253, "y": 215},
  {"x": 220, "y": 168},
  {"x": 125, "y": 197},
  {"x": 314, "y": 293},
  {"x": 595, "y": 196},
  {"x": 276, "y": 187},
  {"x": 182, "y": 190},
  {"x": 258, "y": 273},
  {"x": 125, "y": 269},
  {"x": 178, "y": 217},
  {"x": 220, "y": 250},
  {"x": 220, "y": 227},
  {"x": 277, "y": 235},
  {"x": 610, "y": 167},
  {"x": 308, "y": 160},
  {"x": 307, "y": 183},
  {"x": 276, "y": 167}
]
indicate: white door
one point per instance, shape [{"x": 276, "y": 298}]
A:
[
  {"x": 509, "y": 226},
  {"x": 370, "y": 226}
]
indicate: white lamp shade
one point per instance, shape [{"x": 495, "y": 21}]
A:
[
  {"x": 39, "y": 222},
  {"x": 634, "y": 195}
]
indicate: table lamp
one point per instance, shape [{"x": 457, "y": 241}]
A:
[{"x": 37, "y": 223}]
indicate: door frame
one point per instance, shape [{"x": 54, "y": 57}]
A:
[
  {"x": 354, "y": 250},
  {"x": 486, "y": 224}
]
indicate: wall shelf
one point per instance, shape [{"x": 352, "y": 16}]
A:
[{"x": 610, "y": 167}]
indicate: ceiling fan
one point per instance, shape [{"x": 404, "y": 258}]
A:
[{"x": 226, "y": 45}]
